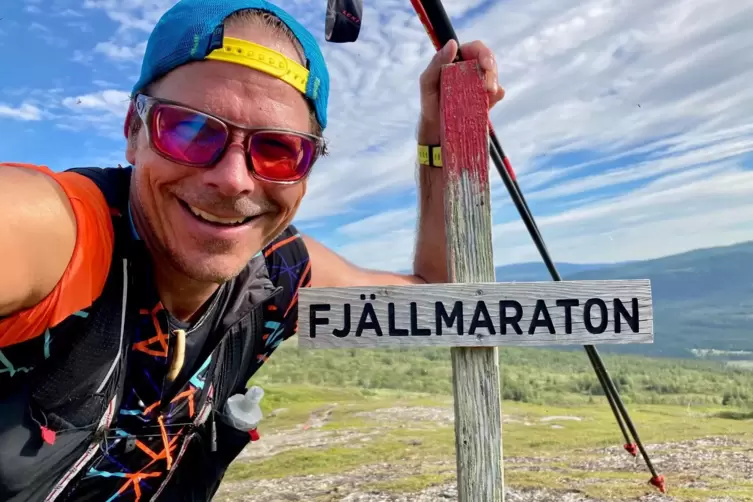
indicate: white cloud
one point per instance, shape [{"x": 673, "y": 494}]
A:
[
  {"x": 708, "y": 210},
  {"x": 69, "y": 13},
  {"x": 575, "y": 74},
  {"x": 120, "y": 52},
  {"x": 81, "y": 26},
  {"x": 731, "y": 147},
  {"x": 669, "y": 216},
  {"x": 103, "y": 83},
  {"x": 24, "y": 112},
  {"x": 387, "y": 251},
  {"x": 628, "y": 123},
  {"x": 81, "y": 57},
  {"x": 379, "y": 224},
  {"x": 139, "y": 15},
  {"x": 41, "y": 98},
  {"x": 46, "y": 34},
  {"x": 112, "y": 101},
  {"x": 102, "y": 112}
]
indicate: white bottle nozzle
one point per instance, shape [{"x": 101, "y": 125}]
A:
[
  {"x": 244, "y": 409},
  {"x": 255, "y": 394}
]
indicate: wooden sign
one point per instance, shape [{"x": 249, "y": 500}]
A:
[{"x": 477, "y": 315}]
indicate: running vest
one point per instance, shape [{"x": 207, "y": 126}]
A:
[{"x": 93, "y": 419}]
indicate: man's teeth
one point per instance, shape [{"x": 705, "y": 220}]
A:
[{"x": 215, "y": 219}]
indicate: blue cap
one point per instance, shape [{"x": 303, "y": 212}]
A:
[{"x": 192, "y": 29}]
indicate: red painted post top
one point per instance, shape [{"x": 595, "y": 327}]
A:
[{"x": 464, "y": 106}]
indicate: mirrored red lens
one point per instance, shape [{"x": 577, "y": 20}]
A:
[
  {"x": 280, "y": 156},
  {"x": 187, "y": 136}
]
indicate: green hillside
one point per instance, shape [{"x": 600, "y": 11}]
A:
[
  {"x": 530, "y": 375},
  {"x": 703, "y": 299}
]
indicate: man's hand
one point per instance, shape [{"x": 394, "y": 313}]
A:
[
  {"x": 430, "y": 263},
  {"x": 429, "y": 124}
]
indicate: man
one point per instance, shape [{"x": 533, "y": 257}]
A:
[{"x": 134, "y": 302}]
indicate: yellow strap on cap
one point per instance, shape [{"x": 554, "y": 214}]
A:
[
  {"x": 430, "y": 155},
  {"x": 258, "y": 57}
]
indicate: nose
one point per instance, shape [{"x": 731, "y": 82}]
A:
[{"x": 230, "y": 176}]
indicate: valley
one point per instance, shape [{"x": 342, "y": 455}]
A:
[{"x": 377, "y": 425}]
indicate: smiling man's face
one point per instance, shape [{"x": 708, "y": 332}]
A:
[{"x": 168, "y": 198}]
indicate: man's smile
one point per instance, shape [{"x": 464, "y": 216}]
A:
[{"x": 213, "y": 219}]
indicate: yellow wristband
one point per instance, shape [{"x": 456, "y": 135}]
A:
[{"x": 430, "y": 155}]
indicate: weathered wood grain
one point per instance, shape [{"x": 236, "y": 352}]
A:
[
  {"x": 422, "y": 315},
  {"x": 470, "y": 258}
]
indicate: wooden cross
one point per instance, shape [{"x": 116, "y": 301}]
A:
[{"x": 473, "y": 315}]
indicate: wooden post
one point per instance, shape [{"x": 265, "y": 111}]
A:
[{"x": 468, "y": 225}]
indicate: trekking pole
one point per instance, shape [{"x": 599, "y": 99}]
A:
[
  {"x": 629, "y": 446},
  {"x": 440, "y": 30}
]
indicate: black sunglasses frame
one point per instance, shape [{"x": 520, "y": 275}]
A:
[{"x": 144, "y": 107}]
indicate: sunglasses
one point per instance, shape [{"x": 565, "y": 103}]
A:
[{"x": 186, "y": 136}]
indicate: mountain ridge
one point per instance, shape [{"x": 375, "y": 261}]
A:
[{"x": 703, "y": 298}]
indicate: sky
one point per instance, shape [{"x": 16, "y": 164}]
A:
[{"x": 629, "y": 122}]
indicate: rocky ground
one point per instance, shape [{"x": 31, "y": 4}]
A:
[{"x": 702, "y": 469}]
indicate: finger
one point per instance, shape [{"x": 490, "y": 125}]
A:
[
  {"x": 448, "y": 52},
  {"x": 492, "y": 86},
  {"x": 429, "y": 79},
  {"x": 496, "y": 97},
  {"x": 479, "y": 51}
]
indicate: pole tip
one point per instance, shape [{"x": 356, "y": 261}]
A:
[{"x": 658, "y": 481}]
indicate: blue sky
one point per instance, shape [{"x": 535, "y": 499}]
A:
[{"x": 629, "y": 123}]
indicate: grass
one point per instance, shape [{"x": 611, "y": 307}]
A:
[
  {"x": 412, "y": 484},
  {"x": 669, "y": 401},
  {"x": 528, "y": 375},
  {"x": 597, "y": 427},
  {"x": 417, "y": 448},
  {"x": 392, "y": 449}
]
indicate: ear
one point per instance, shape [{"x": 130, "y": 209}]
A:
[
  {"x": 128, "y": 117},
  {"x": 130, "y": 152}
]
